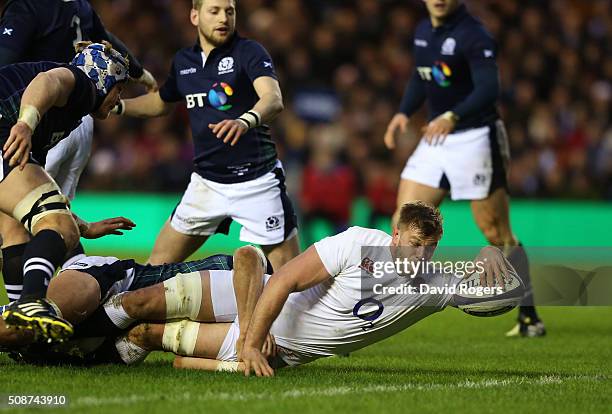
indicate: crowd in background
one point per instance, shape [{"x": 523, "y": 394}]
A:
[{"x": 343, "y": 67}]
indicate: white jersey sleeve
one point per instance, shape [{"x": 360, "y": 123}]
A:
[{"x": 334, "y": 251}]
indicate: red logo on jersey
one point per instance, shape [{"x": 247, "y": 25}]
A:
[{"x": 367, "y": 264}]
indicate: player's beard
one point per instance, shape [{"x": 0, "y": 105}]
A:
[{"x": 217, "y": 41}]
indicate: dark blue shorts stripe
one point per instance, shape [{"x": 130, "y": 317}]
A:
[{"x": 288, "y": 211}]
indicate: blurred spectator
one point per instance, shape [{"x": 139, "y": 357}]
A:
[
  {"x": 328, "y": 184},
  {"x": 345, "y": 63}
]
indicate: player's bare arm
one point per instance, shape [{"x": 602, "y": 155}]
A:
[
  {"x": 413, "y": 99},
  {"x": 47, "y": 89},
  {"x": 105, "y": 227},
  {"x": 301, "y": 273},
  {"x": 148, "y": 81},
  {"x": 149, "y": 105},
  {"x": 203, "y": 364},
  {"x": 398, "y": 125},
  {"x": 248, "y": 285},
  {"x": 269, "y": 106}
]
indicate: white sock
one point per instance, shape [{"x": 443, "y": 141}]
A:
[
  {"x": 129, "y": 352},
  {"x": 116, "y": 313}
]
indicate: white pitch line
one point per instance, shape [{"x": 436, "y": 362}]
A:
[{"x": 321, "y": 392}]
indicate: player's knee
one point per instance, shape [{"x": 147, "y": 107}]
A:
[
  {"x": 250, "y": 255},
  {"x": 45, "y": 207},
  {"x": 142, "y": 335},
  {"x": 137, "y": 304},
  {"x": 62, "y": 224}
]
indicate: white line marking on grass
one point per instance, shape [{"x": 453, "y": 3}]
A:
[{"x": 323, "y": 392}]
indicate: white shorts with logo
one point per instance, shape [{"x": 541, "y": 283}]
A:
[
  {"x": 470, "y": 163},
  {"x": 67, "y": 160},
  {"x": 261, "y": 206}
]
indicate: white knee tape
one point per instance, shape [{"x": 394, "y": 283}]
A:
[
  {"x": 180, "y": 337},
  {"x": 183, "y": 296},
  {"x": 129, "y": 352},
  {"x": 42, "y": 201}
]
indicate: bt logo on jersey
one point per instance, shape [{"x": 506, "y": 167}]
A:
[
  {"x": 218, "y": 97},
  {"x": 440, "y": 72},
  {"x": 195, "y": 99}
]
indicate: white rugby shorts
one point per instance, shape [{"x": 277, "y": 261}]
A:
[
  {"x": 470, "y": 163},
  {"x": 261, "y": 206},
  {"x": 67, "y": 160}
]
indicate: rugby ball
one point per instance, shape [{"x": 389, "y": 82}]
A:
[{"x": 477, "y": 300}]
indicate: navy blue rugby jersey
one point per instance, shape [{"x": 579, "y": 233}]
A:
[
  {"x": 447, "y": 59},
  {"x": 218, "y": 87},
  {"x": 57, "y": 123},
  {"x": 37, "y": 30}
]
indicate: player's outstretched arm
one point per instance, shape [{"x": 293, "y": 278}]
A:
[
  {"x": 103, "y": 228},
  {"x": 270, "y": 103},
  {"x": 47, "y": 89},
  {"x": 413, "y": 99},
  {"x": 149, "y": 105},
  {"x": 301, "y": 273},
  {"x": 204, "y": 364}
]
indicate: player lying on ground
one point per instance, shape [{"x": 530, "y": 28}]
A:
[
  {"x": 318, "y": 302},
  {"x": 217, "y": 289},
  {"x": 52, "y": 99}
]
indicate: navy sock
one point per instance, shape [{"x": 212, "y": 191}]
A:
[
  {"x": 74, "y": 255},
  {"x": 519, "y": 260},
  {"x": 43, "y": 254},
  {"x": 12, "y": 270}
]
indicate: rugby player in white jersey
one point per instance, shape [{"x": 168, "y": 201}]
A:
[{"x": 321, "y": 303}]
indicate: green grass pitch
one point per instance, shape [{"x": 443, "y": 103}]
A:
[{"x": 450, "y": 361}]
